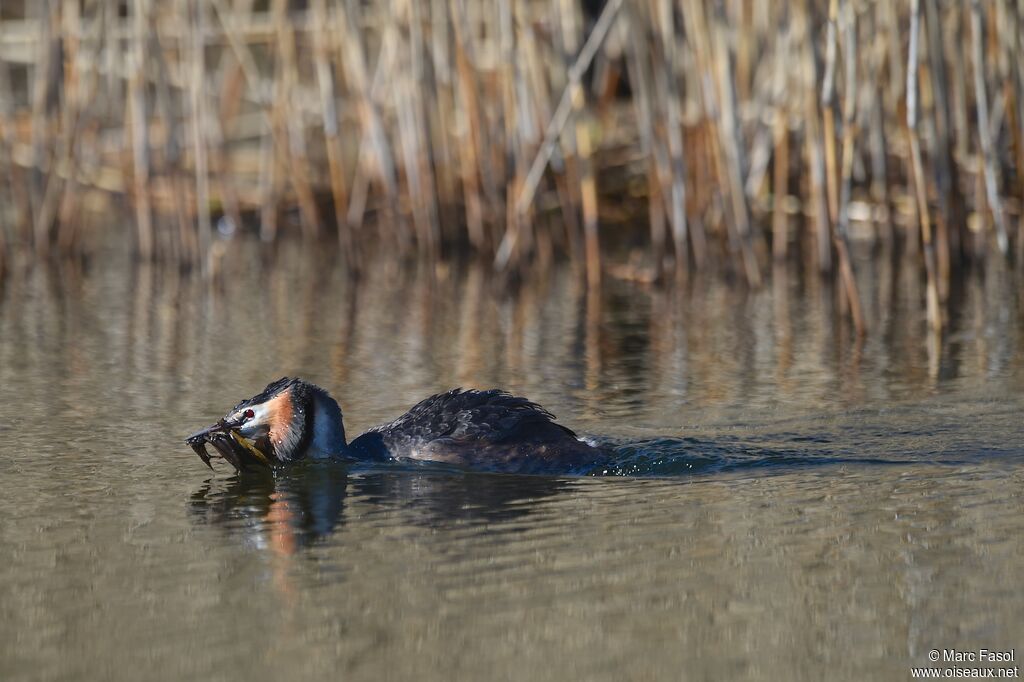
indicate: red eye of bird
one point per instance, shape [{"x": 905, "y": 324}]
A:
[{"x": 248, "y": 414}]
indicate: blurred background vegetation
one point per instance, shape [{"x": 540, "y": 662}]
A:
[{"x": 719, "y": 135}]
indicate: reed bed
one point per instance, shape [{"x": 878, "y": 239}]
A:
[{"x": 716, "y": 134}]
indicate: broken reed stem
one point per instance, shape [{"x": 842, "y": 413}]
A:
[{"x": 561, "y": 115}]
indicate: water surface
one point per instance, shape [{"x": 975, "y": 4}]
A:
[{"x": 786, "y": 503}]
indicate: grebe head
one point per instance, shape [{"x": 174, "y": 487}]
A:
[{"x": 290, "y": 419}]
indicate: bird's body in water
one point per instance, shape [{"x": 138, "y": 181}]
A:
[{"x": 490, "y": 430}]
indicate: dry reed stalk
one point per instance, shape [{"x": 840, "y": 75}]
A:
[
  {"x": 424, "y": 222},
  {"x": 45, "y": 66},
  {"x": 3, "y": 254},
  {"x": 960, "y": 119},
  {"x": 269, "y": 184},
  {"x": 995, "y": 203},
  {"x": 816, "y": 164},
  {"x": 729, "y": 136},
  {"x": 1012, "y": 34},
  {"x": 828, "y": 114},
  {"x": 813, "y": 147},
  {"x": 270, "y": 144},
  {"x": 269, "y": 134},
  {"x": 220, "y": 167},
  {"x": 540, "y": 83},
  {"x": 197, "y": 100},
  {"x": 780, "y": 143},
  {"x": 421, "y": 129},
  {"x": 291, "y": 126},
  {"x": 736, "y": 164},
  {"x": 578, "y": 149},
  {"x": 226, "y": 18},
  {"x": 83, "y": 51},
  {"x": 46, "y": 213},
  {"x": 374, "y": 157},
  {"x": 218, "y": 129},
  {"x": 706, "y": 198},
  {"x": 666, "y": 79},
  {"x": 491, "y": 147},
  {"x": 231, "y": 92},
  {"x": 588, "y": 191},
  {"x": 140, "y": 131},
  {"x": 1017, "y": 45},
  {"x": 467, "y": 157},
  {"x": 393, "y": 224},
  {"x": 935, "y": 318},
  {"x": 745, "y": 49},
  {"x": 77, "y": 100},
  {"x": 440, "y": 104},
  {"x": 715, "y": 61},
  {"x": 4, "y": 162},
  {"x": 943, "y": 166},
  {"x": 16, "y": 185},
  {"x": 471, "y": 144},
  {"x": 411, "y": 134},
  {"x": 54, "y": 145},
  {"x": 849, "y": 140},
  {"x": 874, "y": 94},
  {"x": 332, "y": 133},
  {"x": 656, "y": 217},
  {"x": 519, "y": 131},
  {"x": 640, "y": 78},
  {"x": 185, "y": 248},
  {"x": 780, "y": 184}
]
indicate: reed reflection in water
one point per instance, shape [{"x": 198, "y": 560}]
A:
[{"x": 701, "y": 352}]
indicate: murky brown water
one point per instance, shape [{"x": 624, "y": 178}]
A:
[{"x": 804, "y": 506}]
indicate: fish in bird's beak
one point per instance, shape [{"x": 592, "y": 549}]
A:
[{"x": 226, "y": 438}]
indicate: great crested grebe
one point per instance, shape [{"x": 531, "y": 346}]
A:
[{"x": 491, "y": 430}]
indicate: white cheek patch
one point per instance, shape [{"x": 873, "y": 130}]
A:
[{"x": 259, "y": 421}]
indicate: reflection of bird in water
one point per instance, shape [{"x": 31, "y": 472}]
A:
[
  {"x": 435, "y": 499},
  {"x": 307, "y": 503},
  {"x": 481, "y": 430},
  {"x": 297, "y": 508}
]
